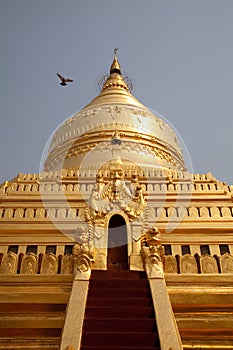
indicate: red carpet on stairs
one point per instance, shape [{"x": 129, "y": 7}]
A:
[{"x": 119, "y": 312}]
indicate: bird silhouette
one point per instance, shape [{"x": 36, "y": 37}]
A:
[{"x": 64, "y": 80}]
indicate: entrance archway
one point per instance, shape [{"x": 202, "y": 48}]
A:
[{"x": 117, "y": 244}]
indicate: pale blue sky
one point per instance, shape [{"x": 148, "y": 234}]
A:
[{"x": 179, "y": 53}]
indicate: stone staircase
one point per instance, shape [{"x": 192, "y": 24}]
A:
[{"x": 119, "y": 313}]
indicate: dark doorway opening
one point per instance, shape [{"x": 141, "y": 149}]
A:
[{"x": 117, "y": 244}]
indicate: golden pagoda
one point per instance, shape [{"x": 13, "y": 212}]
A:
[{"x": 115, "y": 244}]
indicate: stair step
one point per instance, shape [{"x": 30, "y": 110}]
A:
[
  {"x": 120, "y": 302},
  {"x": 120, "y": 274},
  {"x": 35, "y": 333},
  {"x": 92, "y": 347},
  {"x": 126, "y": 293},
  {"x": 120, "y": 325},
  {"x": 119, "y": 312},
  {"x": 118, "y": 283},
  {"x": 122, "y": 312},
  {"x": 119, "y": 339}
]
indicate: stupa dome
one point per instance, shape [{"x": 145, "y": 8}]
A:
[{"x": 114, "y": 124}]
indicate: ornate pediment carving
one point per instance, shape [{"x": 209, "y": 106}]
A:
[{"x": 116, "y": 194}]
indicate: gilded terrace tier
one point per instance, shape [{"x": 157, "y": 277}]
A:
[{"x": 184, "y": 206}]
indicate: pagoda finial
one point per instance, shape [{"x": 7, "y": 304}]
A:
[
  {"x": 115, "y": 51},
  {"x": 115, "y": 67},
  {"x": 115, "y": 79}
]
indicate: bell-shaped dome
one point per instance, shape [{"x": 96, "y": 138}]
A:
[{"x": 114, "y": 124}]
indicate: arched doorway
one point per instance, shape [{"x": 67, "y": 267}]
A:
[{"x": 117, "y": 244}]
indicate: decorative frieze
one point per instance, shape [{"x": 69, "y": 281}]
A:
[
  {"x": 83, "y": 256},
  {"x": 157, "y": 213}
]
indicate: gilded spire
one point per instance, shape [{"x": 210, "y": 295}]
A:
[
  {"x": 115, "y": 79},
  {"x": 115, "y": 67},
  {"x": 115, "y": 90}
]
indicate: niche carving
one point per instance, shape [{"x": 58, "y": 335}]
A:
[
  {"x": 9, "y": 264},
  {"x": 67, "y": 265},
  {"x": 170, "y": 265},
  {"x": 29, "y": 264},
  {"x": 188, "y": 264},
  {"x": 208, "y": 264},
  {"x": 49, "y": 265},
  {"x": 226, "y": 262}
]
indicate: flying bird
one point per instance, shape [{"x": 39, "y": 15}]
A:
[{"x": 64, "y": 80}]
